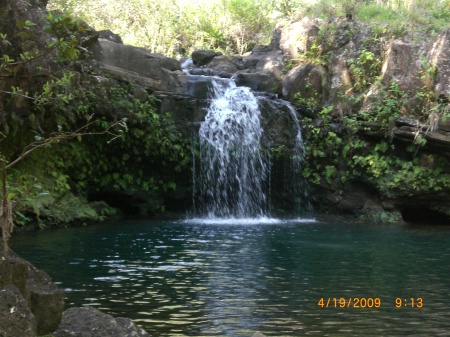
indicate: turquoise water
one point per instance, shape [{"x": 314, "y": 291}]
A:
[{"x": 232, "y": 279}]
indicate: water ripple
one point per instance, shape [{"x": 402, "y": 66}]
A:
[{"x": 190, "y": 279}]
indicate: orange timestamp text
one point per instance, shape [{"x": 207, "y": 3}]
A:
[
  {"x": 350, "y": 302},
  {"x": 368, "y": 302}
]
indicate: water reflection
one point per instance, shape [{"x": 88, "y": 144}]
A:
[{"x": 189, "y": 279}]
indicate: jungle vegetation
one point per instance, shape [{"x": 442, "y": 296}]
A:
[
  {"x": 177, "y": 27},
  {"x": 130, "y": 147},
  {"x": 67, "y": 132}
]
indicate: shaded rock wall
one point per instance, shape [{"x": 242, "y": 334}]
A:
[{"x": 298, "y": 62}]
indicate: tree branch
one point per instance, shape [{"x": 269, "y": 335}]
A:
[{"x": 57, "y": 137}]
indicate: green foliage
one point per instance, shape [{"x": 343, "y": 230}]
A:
[
  {"x": 176, "y": 27},
  {"x": 151, "y": 148},
  {"x": 388, "y": 109},
  {"x": 364, "y": 69},
  {"x": 311, "y": 99},
  {"x": 332, "y": 157},
  {"x": 49, "y": 186},
  {"x": 67, "y": 32}
]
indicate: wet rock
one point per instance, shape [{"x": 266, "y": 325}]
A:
[
  {"x": 203, "y": 57},
  {"x": 257, "y": 81},
  {"x": 43, "y": 298},
  {"x": 16, "y": 318},
  {"x": 90, "y": 322},
  {"x": 198, "y": 86},
  {"x": 47, "y": 300}
]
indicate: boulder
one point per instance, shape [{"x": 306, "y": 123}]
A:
[
  {"x": 42, "y": 298},
  {"x": 258, "y": 81},
  {"x": 90, "y": 322},
  {"x": 266, "y": 60},
  {"x": 309, "y": 81},
  {"x": 46, "y": 302},
  {"x": 109, "y": 35},
  {"x": 402, "y": 65},
  {"x": 228, "y": 64},
  {"x": 278, "y": 124},
  {"x": 297, "y": 38},
  {"x": 440, "y": 59},
  {"x": 139, "y": 66},
  {"x": 198, "y": 87},
  {"x": 14, "y": 271},
  {"x": 341, "y": 81},
  {"x": 16, "y": 318},
  {"x": 203, "y": 57}
]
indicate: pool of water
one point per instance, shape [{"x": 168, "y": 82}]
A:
[{"x": 194, "y": 278}]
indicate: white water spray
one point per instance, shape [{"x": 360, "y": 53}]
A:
[{"x": 233, "y": 170}]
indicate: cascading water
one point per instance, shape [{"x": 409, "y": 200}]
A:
[{"x": 233, "y": 170}]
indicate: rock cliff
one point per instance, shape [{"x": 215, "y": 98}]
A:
[
  {"x": 389, "y": 90},
  {"x": 345, "y": 81}
]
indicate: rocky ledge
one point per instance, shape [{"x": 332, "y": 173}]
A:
[
  {"x": 90, "y": 322},
  {"x": 30, "y": 304}
]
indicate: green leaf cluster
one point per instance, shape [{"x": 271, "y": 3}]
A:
[
  {"x": 145, "y": 158},
  {"x": 335, "y": 156},
  {"x": 364, "y": 69},
  {"x": 50, "y": 186},
  {"x": 177, "y": 27}
]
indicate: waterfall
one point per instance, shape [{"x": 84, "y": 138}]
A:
[{"x": 232, "y": 167}]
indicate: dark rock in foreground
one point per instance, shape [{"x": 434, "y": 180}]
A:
[
  {"x": 30, "y": 304},
  {"x": 90, "y": 322},
  {"x": 16, "y": 318}
]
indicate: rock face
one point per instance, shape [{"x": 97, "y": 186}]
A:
[
  {"x": 90, "y": 322},
  {"x": 138, "y": 66},
  {"x": 440, "y": 59},
  {"x": 203, "y": 57},
  {"x": 298, "y": 37},
  {"x": 30, "y": 303},
  {"x": 293, "y": 68},
  {"x": 306, "y": 80},
  {"x": 16, "y": 318},
  {"x": 312, "y": 63}
]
